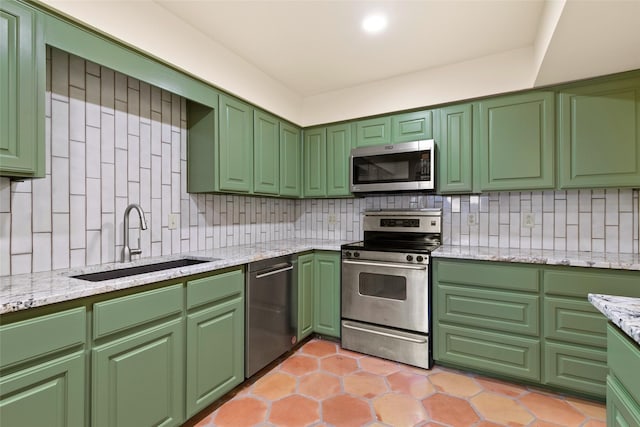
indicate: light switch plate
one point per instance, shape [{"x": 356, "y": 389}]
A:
[{"x": 173, "y": 221}]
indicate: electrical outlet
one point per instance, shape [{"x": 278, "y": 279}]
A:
[
  {"x": 528, "y": 220},
  {"x": 332, "y": 219},
  {"x": 173, "y": 221},
  {"x": 472, "y": 219}
]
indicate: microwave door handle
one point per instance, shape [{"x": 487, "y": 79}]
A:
[{"x": 385, "y": 264}]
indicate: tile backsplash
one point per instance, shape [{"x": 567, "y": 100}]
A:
[{"x": 112, "y": 140}]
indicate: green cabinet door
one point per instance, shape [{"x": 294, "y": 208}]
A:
[
  {"x": 314, "y": 152},
  {"x": 236, "y": 145},
  {"x": 516, "y": 142},
  {"x": 622, "y": 409},
  {"x": 47, "y": 394},
  {"x": 454, "y": 154},
  {"x": 215, "y": 338},
  {"x": 22, "y": 71},
  {"x": 202, "y": 149},
  {"x": 305, "y": 295},
  {"x": 338, "y": 151},
  {"x": 290, "y": 161},
  {"x": 373, "y": 131},
  {"x": 138, "y": 380},
  {"x": 415, "y": 126},
  {"x": 266, "y": 148},
  {"x": 326, "y": 309},
  {"x": 599, "y": 135}
]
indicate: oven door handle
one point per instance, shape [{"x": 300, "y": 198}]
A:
[
  {"x": 384, "y": 334},
  {"x": 385, "y": 264}
]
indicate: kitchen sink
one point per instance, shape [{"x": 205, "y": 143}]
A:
[{"x": 141, "y": 269}]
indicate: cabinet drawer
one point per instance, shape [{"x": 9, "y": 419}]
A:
[
  {"x": 133, "y": 310},
  {"x": 486, "y": 308},
  {"x": 498, "y": 276},
  {"x": 574, "y": 321},
  {"x": 579, "y": 283},
  {"x": 498, "y": 353},
  {"x": 581, "y": 369},
  {"x": 29, "y": 339},
  {"x": 223, "y": 285},
  {"x": 624, "y": 359}
]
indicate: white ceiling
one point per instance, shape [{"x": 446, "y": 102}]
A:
[
  {"x": 308, "y": 61},
  {"x": 315, "y": 47}
]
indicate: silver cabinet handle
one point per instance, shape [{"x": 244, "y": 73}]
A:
[
  {"x": 270, "y": 273},
  {"x": 385, "y": 334},
  {"x": 385, "y": 264}
]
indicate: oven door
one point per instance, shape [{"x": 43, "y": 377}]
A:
[{"x": 386, "y": 293}]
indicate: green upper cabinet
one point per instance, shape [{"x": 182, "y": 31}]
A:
[
  {"x": 373, "y": 131},
  {"x": 412, "y": 126},
  {"x": 338, "y": 151},
  {"x": 266, "y": 148},
  {"x": 290, "y": 161},
  {"x": 453, "y": 139},
  {"x": 599, "y": 135},
  {"x": 202, "y": 148},
  {"x": 22, "y": 74},
  {"x": 236, "y": 145},
  {"x": 43, "y": 364},
  {"x": 314, "y": 152},
  {"x": 515, "y": 149}
]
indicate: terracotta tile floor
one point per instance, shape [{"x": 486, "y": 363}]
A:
[{"x": 323, "y": 385}]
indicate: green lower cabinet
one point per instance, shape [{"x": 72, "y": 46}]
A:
[
  {"x": 43, "y": 366},
  {"x": 326, "y": 309},
  {"x": 138, "y": 380},
  {"x": 578, "y": 368},
  {"x": 495, "y": 352},
  {"x": 215, "y": 338},
  {"x": 305, "y": 295},
  {"x": 622, "y": 409},
  {"x": 623, "y": 382},
  {"x": 47, "y": 394},
  {"x": 137, "y": 361}
]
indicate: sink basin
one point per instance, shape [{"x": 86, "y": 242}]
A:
[{"x": 140, "y": 269}]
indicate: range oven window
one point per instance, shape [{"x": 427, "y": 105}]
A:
[
  {"x": 396, "y": 167},
  {"x": 383, "y": 286}
]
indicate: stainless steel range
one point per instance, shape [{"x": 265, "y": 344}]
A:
[{"x": 386, "y": 285}]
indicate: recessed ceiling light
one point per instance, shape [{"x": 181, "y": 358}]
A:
[{"x": 374, "y": 23}]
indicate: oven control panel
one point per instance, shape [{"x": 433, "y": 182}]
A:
[{"x": 397, "y": 257}]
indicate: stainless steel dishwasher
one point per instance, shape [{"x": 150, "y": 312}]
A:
[{"x": 270, "y": 312}]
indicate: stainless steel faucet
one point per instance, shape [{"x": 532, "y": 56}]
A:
[{"x": 126, "y": 250}]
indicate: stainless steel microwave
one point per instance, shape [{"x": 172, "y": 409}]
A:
[{"x": 407, "y": 166}]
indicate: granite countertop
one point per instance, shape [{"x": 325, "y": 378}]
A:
[
  {"x": 539, "y": 256},
  {"x": 624, "y": 312},
  {"x": 26, "y": 291}
]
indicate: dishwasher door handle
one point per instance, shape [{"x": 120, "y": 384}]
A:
[{"x": 272, "y": 272}]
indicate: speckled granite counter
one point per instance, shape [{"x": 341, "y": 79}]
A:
[
  {"x": 535, "y": 256},
  {"x": 25, "y": 291},
  {"x": 624, "y": 312}
]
